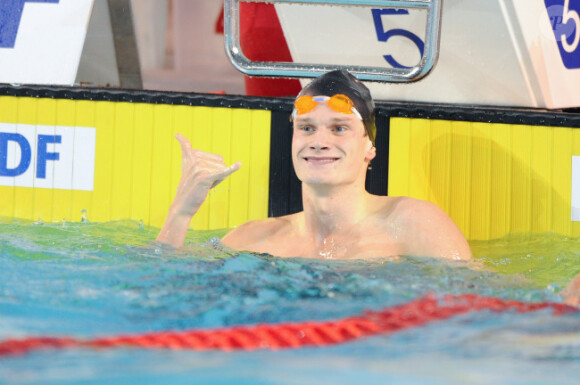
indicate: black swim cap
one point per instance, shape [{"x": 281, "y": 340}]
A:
[{"x": 342, "y": 82}]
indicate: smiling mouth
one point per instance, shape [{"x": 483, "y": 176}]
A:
[{"x": 320, "y": 160}]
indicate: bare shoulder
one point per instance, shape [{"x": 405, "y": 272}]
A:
[
  {"x": 426, "y": 229},
  {"x": 409, "y": 208},
  {"x": 250, "y": 235}
]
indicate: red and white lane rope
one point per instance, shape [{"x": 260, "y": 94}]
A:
[{"x": 296, "y": 334}]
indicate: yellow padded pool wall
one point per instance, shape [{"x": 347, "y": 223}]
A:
[
  {"x": 136, "y": 160},
  {"x": 492, "y": 179}
]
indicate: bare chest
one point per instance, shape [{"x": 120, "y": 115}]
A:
[{"x": 365, "y": 242}]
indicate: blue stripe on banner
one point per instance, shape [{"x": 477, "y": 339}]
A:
[{"x": 10, "y": 15}]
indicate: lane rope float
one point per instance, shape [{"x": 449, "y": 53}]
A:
[{"x": 296, "y": 334}]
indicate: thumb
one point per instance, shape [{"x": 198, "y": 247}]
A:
[{"x": 184, "y": 142}]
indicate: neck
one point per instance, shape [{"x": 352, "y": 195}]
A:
[{"x": 329, "y": 210}]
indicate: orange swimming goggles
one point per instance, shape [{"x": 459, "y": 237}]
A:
[{"x": 339, "y": 103}]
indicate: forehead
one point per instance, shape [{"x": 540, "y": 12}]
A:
[{"x": 316, "y": 117}]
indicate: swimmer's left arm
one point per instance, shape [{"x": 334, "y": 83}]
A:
[
  {"x": 200, "y": 172},
  {"x": 432, "y": 233}
]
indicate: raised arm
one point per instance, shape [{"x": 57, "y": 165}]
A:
[{"x": 200, "y": 172}]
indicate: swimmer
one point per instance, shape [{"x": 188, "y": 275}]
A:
[{"x": 332, "y": 146}]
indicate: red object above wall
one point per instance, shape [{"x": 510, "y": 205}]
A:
[{"x": 262, "y": 39}]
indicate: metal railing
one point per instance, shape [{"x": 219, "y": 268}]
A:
[{"x": 308, "y": 70}]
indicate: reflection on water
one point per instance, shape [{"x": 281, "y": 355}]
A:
[{"x": 87, "y": 279}]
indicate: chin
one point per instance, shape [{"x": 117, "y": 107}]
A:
[
  {"x": 320, "y": 180},
  {"x": 317, "y": 182}
]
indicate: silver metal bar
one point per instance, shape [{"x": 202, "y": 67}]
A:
[
  {"x": 367, "y": 73},
  {"x": 364, "y": 3}
]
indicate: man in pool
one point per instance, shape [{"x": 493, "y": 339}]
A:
[{"x": 332, "y": 146}]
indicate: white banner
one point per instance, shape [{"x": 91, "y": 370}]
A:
[
  {"x": 47, "y": 156},
  {"x": 41, "y": 41}
]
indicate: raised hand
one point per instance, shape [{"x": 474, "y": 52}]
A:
[{"x": 200, "y": 172}]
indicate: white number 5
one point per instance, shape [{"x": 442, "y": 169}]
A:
[{"x": 570, "y": 15}]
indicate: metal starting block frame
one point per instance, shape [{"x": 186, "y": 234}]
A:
[{"x": 307, "y": 70}]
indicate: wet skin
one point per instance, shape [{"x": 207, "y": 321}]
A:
[{"x": 331, "y": 153}]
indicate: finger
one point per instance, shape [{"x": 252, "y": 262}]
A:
[
  {"x": 229, "y": 171},
  {"x": 220, "y": 177},
  {"x": 189, "y": 151},
  {"x": 212, "y": 173},
  {"x": 203, "y": 163},
  {"x": 202, "y": 155},
  {"x": 185, "y": 144},
  {"x": 218, "y": 172},
  {"x": 183, "y": 140}
]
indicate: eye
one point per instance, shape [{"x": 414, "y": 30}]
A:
[
  {"x": 306, "y": 128},
  {"x": 340, "y": 128}
]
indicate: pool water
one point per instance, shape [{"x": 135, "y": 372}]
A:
[{"x": 87, "y": 280}]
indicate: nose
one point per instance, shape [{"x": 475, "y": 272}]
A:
[{"x": 320, "y": 140}]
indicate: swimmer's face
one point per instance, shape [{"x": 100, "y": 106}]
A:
[{"x": 330, "y": 147}]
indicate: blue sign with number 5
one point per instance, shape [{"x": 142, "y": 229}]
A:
[{"x": 565, "y": 21}]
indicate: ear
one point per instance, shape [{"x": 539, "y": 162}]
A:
[{"x": 371, "y": 152}]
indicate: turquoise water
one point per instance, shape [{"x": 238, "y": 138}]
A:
[{"x": 87, "y": 279}]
